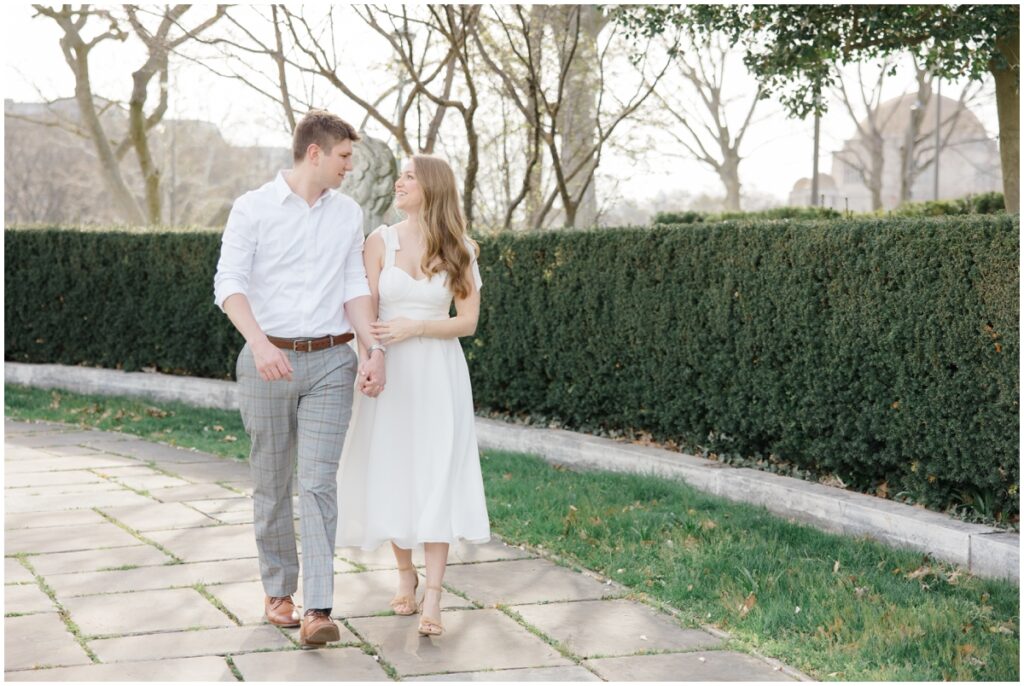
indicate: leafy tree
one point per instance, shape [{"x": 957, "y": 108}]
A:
[{"x": 797, "y": 50}]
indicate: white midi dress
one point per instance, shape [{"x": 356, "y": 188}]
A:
[{"x": 410, "y": 468}]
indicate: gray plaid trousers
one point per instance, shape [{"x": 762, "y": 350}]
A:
[{"x": 305, "y": 418}]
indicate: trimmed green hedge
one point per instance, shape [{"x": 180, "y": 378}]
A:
[
  {"x": 983, "y": 203},
  {"x": 117, "y": 299},
  {"x": 696, "y": 217},
  {"x": 878, "y": 350}
]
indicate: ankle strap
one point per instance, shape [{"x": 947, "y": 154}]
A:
[
  {"x": 406, "y": 569},
  {"x": 434, "y": 588}
]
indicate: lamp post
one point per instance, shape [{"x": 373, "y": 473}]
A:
[
  {"x": 908, "y": 152},
  {"x": 938, "y": 121}
]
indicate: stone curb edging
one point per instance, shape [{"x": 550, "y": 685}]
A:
[{"x": 985, "y": 551}]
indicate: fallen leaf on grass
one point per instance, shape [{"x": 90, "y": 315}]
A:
[
  {"x": 835, "y": 567},
  {"x": 218, "y": 427},
  {"x": 748, "y": 604},
  {"x": 157, "y": 412},
  {"x": 230, "y": 439},
  {"x": 921, "y": 571}
]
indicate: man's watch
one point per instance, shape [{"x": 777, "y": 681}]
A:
[{"x": 378, "y": 346}]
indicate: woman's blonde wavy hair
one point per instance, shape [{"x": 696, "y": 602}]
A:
[{"x": 444, "y": 225}]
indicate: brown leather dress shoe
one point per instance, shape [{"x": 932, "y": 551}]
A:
[
  {"x": 281, "y": 611},
  {"x": 317, "y": 629}
]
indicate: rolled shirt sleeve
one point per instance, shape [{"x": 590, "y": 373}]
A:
[
  {"x": 356, "y": 284},
  {"x": 237, "y": 248}
]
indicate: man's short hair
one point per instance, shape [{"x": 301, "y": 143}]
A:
[{"x": 324, "y": 129}]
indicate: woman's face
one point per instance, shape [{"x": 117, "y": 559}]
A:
[{"x": 408, "y": 194}]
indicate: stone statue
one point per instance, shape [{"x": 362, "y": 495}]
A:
[{"x": 372, "y": 182}]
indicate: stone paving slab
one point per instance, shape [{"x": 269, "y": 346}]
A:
[
  {"x": 193, "y": 492},
  {"x": 606, "y": 628},
  {"x": 243, "y": 517},
  {"x": 64, "y": 463},
  {"x": 212, "y": 471},
  {"x": 187, "y": 669},
  {"x": 239, "y": 503},
  {"x": 150, "y": 483},
  {"x": 326, "y": 664},
  {"x": 58, "y": 438},
  {"x": 53, "y": 503},
  {"x": 524, "y": 581},
  {"x": 222, "y": 542},
  {"x": 153, "y": 578},
  {"x": 231, "y": 641},
  {"x": 144, "y": 611},
  {"x": 474, "y": 640},
  {"x": 16, "y": 453},
  {"x": 15, "y": 572},
  {"x": 368, "y": 593},
  {"x": 715, "y": 665},
  {"x": 62, "y": 490},
  {"x": 97, "y": 559},
  {"x": 37, "y": 640},
  {"x": 36, "y": 520},
  {"x": 159, "y": 516},
  {"x": 145, "y": 450},
  {"x": 12, "y": 426},
  {"x": 61, "y": 539},
  {"x": 25, "y": 599},
  {"x": 574, "y": 673},
  {"x": 138, "y": 469},
  {"x": 74, "y": 476}
]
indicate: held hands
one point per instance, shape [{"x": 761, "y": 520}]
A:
[
  {"x": 371, "y": 375},
  {"x": 271, "y": 362},
  {"x": 396, "y": 330}
]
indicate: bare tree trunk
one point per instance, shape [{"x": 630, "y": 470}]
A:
[
  {"x": 140, "y": 138},
  {"x": 578, "y": 111},
  {"x": 730, "y": 176},
  {"x": 109, "y": 163},
  {"x": 917, "y": 113},
  {"x": 876, "y": 158},
  {"x": 534, "y": 181},
  {"x": 1008, "y": 109}
]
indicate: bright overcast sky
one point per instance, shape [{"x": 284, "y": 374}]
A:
[{"x": 777, "y": 152}]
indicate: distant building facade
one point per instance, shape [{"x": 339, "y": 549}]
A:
[
  {"x": 51, "y": 174},
  {"x": 968, "y": 164}
]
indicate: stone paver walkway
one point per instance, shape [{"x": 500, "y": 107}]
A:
[{"x": 131, "y": 561}]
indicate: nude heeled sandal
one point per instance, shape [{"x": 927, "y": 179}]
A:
[
  {"x": 429, "y": 626},
  {"x": 404, "y": 605}
]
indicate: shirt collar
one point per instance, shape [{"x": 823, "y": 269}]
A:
[{"x": 282, "y": 190}]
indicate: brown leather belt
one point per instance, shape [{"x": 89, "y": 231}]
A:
[{"x": 309, "y": 345}]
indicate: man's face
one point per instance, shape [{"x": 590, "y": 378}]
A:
[{"x": 335, "y": 164}]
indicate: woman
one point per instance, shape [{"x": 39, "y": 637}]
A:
[{"x": 410, "y": 469}]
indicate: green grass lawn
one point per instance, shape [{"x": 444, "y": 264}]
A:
[{"x": 832, "y": 606}]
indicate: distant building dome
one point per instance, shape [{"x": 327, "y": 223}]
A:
[
  {"x": 894, "y": 118},
  {"x": 825, "y": 182}
]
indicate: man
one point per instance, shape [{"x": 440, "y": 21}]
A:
[{"x": 291, "y": 279}]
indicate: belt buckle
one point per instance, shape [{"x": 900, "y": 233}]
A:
[{"x": 307, "y": 341}]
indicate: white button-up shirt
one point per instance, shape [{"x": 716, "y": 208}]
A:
[{"x": 298, "y": 265}]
